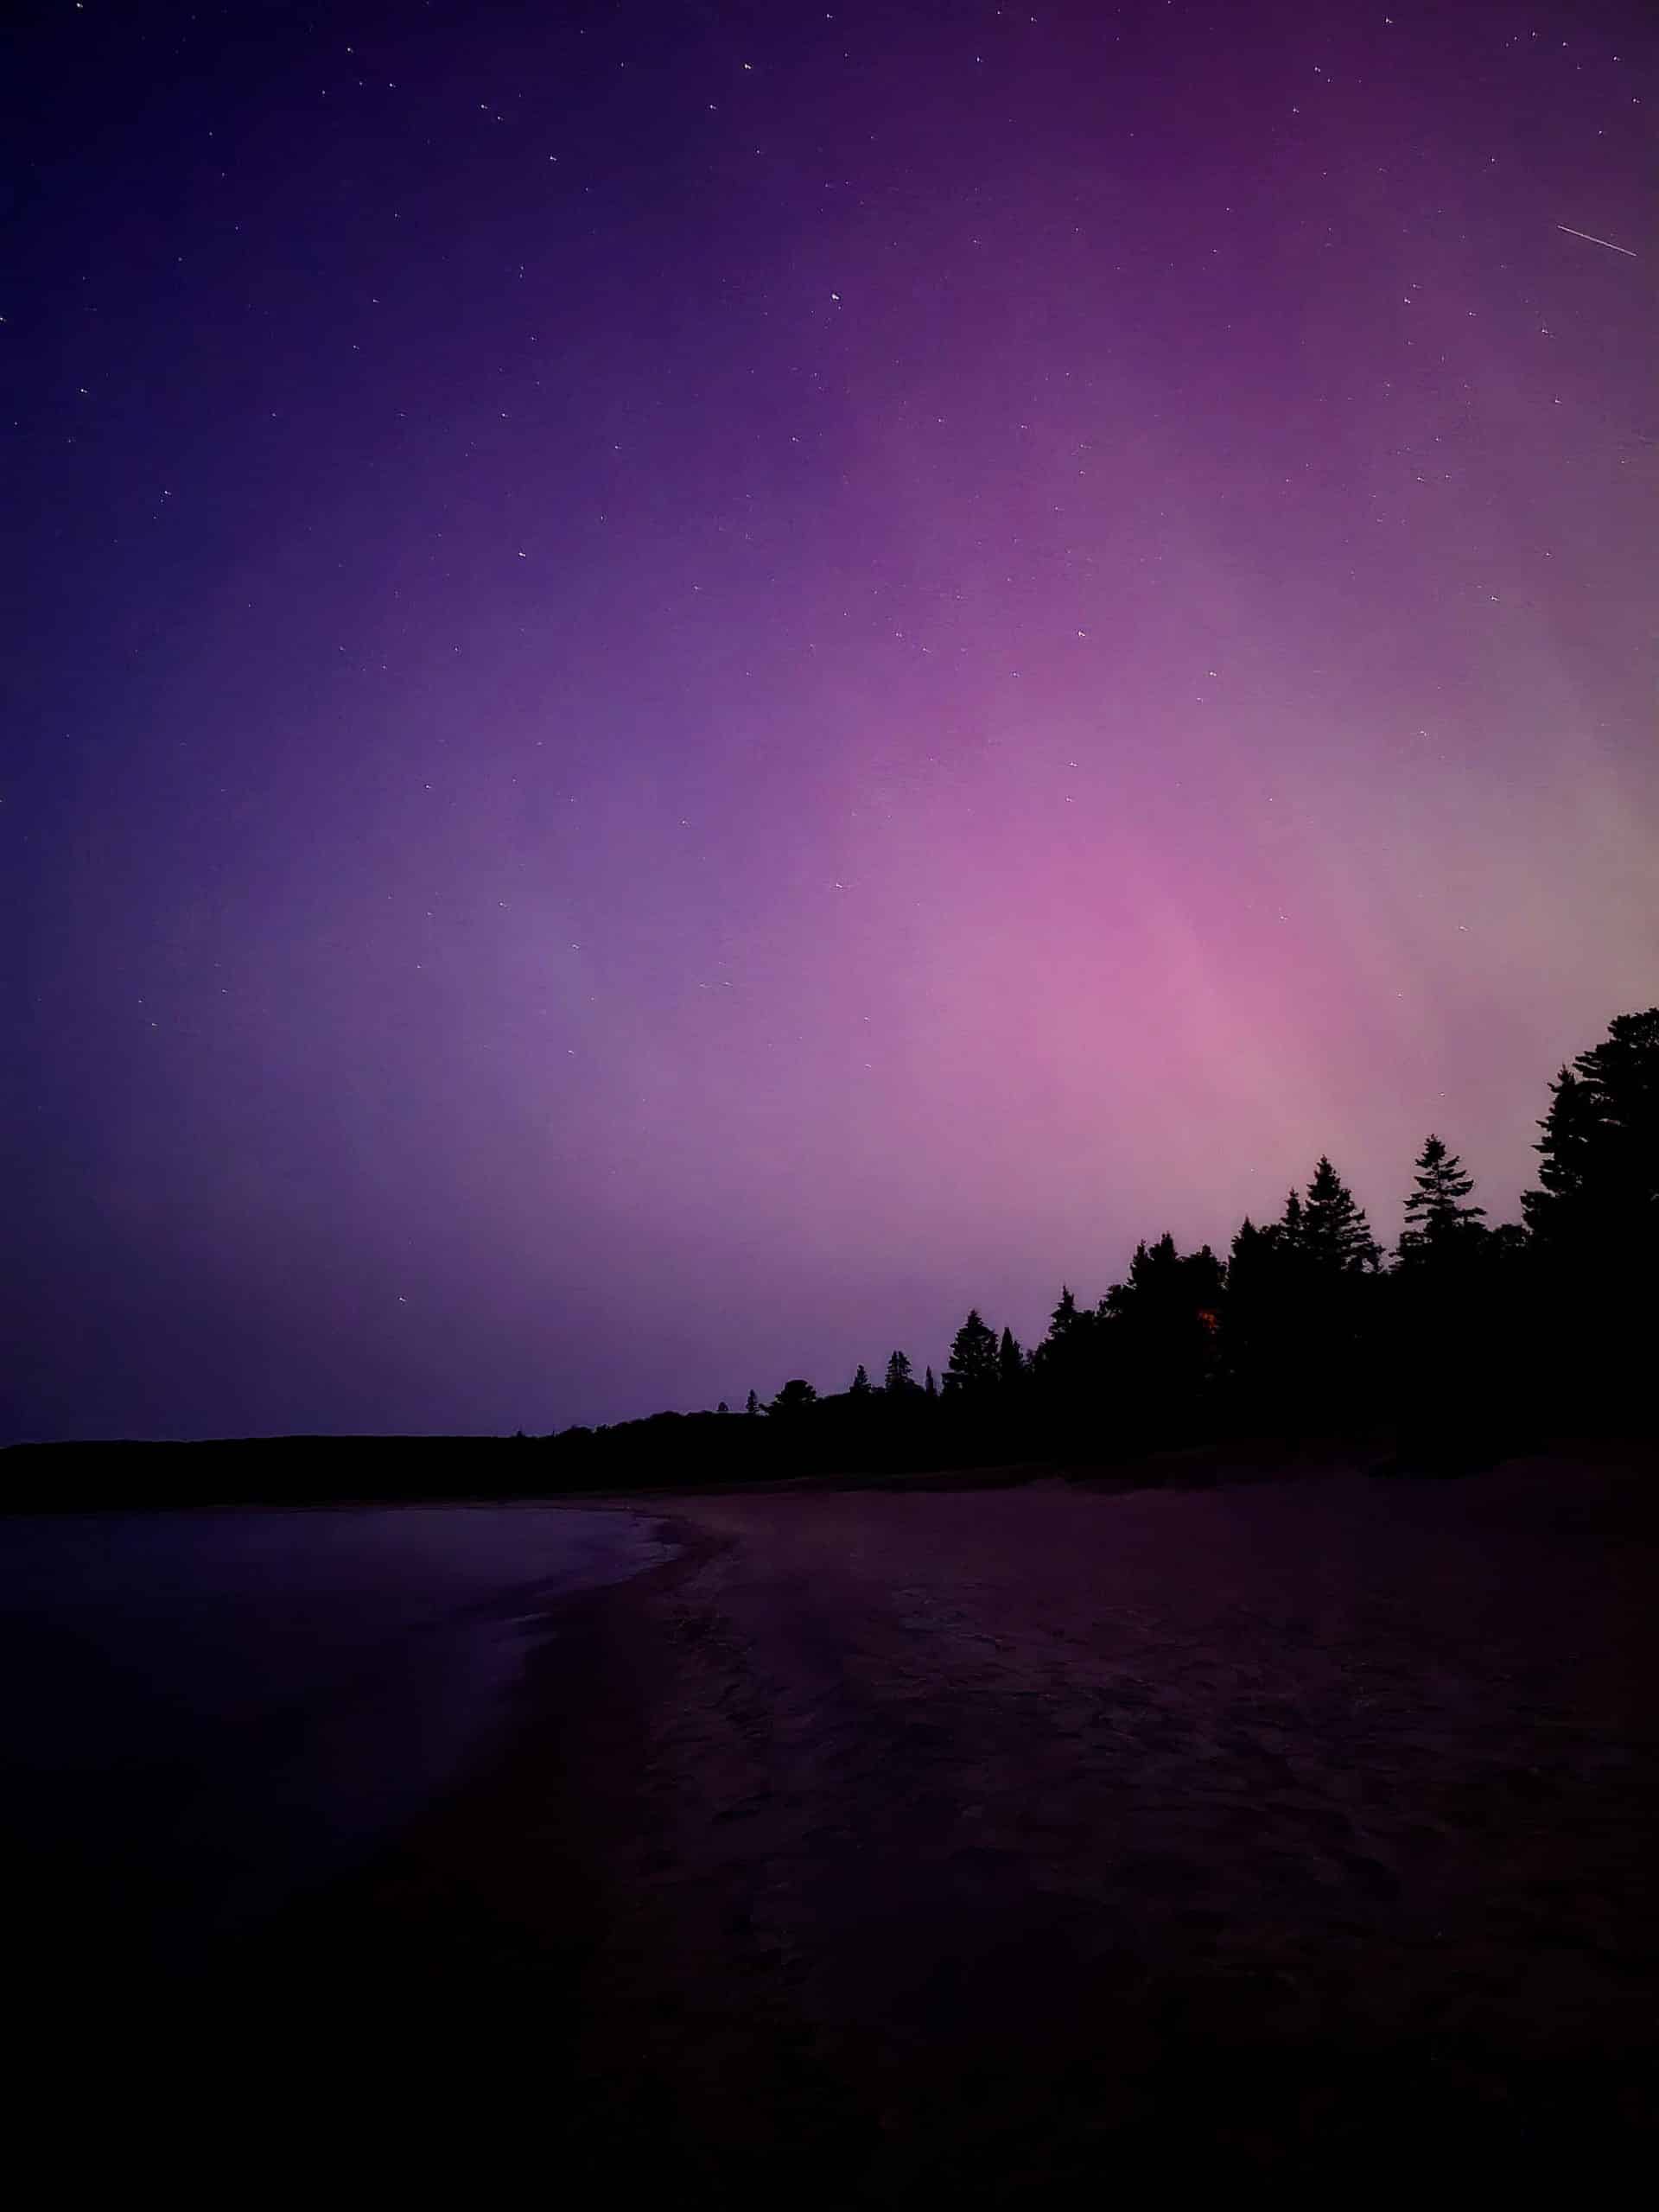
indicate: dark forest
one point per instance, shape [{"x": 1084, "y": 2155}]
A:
[{"x": 1470, "y": 1341}]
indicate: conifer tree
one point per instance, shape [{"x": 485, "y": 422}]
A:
[
  {"x": 1568, "y": 1147},
  {"x": 1334, "y": 1232},
  {"x": 1591, "y": 1226},
  {"x": 1253, "y": 1313},
  {"x": 1437, "y": 1220},
  {"x": 795, "y": 1397},
  {"x": 898, "y": 1379},
  {"x": 1246, "y": 1245},
  {"x": 973, "y": 1356},
  {"x": 1600, "y": 1151}
]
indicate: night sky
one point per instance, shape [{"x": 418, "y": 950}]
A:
[{"x": 688, "y": 685}]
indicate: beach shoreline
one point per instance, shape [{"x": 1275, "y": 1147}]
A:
[{"x": 989, "y": 1843}]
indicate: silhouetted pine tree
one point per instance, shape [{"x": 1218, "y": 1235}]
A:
[
  {"x": 1439, "y": 1322},
  {"x": 794, "y": 1398},
  {"x": 898, "y": 1377},
  {"x": 1257, "y": 1321},
  {"x": 1248, "y": 1242},
  {"x": 1164, "y": 1283},
  {"x": 861, "y": 1382},
  {"x": 1334, "y": 1232},
  {"x": 753, "y": 1404},
  {"x": 1333, "y": 1297},
  {"x": 1437, "y": 1224},
  {"x": 930, "y": 1389},
  {"x": 1069, "y": 1386},
  {"x": 1292, "y": 1225},
  {"x": 973, "y": 1356},
  {"x": 1559, "y": 1215},
  {"x": 1010, "y": 1361},
  {"x": 1161, "y": 1326},
  {"x": 1071, "y": 1349},
  {"x": 1591, "y": 1224},
  {"x": 1600, "y": 1150}
]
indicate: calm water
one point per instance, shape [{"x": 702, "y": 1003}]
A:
[{"x": 204, "y": 1711}]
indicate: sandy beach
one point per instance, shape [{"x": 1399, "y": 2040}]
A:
[{"x": 986, "y": 1844}]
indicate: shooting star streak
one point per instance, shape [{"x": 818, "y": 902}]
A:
[{"x": 1591, "y": 237}]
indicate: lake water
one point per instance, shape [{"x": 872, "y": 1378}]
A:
[{"x": 204, "y": 1711}]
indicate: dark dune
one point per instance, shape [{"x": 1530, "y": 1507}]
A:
[{"x": 992, "y": 1847}]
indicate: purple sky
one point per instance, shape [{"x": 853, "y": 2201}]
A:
[{"x": 692, "y": 684}]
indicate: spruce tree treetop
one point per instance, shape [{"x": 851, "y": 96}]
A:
[
  {"x": 1436, "y": 1218},
  {"x": 898, "y": 1378},
  {"x": 1568, "y": 1147},
  {"x": 1249, "y": 1251},
  {"x": 1600, "y": 1150},
  {"x": 973, "y": 1355},
  {"x": 860, "y": 1383},
  {"x": 1334, "y": 1232},
  {"x": 1163, "y": 1279},
  {"x": 1259, "y": 1256}
]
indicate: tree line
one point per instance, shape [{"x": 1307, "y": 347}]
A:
[{"x": 1465, "y": 1341}]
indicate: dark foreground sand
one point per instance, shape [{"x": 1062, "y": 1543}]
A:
[{"x": 1007, "y": 1845}]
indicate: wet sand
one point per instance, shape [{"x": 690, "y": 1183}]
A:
[{"x": 993, "y": 1845}]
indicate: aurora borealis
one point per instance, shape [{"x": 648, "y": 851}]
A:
[{"x": 692, "y": 684}]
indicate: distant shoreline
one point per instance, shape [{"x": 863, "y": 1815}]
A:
[{"x": 140, "y": 1475}]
